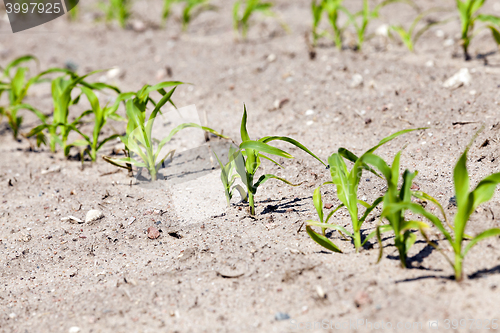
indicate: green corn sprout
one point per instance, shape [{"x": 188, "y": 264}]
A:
[
  {"x": 101, "y": 116},
  {"x": 404, "y": 238},
  {"x": 139, "y": 141},
  {"x": 411, "y": 36},
  {"x": 317, "y": 9},
  {"x": 333, "y": 7},
  {"x": 117, "y": 10},
  {"x": 192, "y": 8},
  {"x": 467, "y": 10},
  {"x": 16, "y": 84},
  {"x": 248, "y": 159},
  {"x": 347, "y": 183},
  {"x": 241, "y": 21},
  {"x": 361, "y": 19},
  {"x": 467, "y": 203},
  {"x": 60, "y": 127}
]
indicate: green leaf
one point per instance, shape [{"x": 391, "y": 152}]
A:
[
  {"x": 293, "y": 142},
  {"x": 322, "y": 240},
  {"x": 318, "y": 203},
  {"x": 485, "y": 234},
  {"x": 243, "y": 130},
  {"x": 264, "y": 148},
  {"x": 330, "y": 226}
]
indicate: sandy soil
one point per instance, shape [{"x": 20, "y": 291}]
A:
[{"x": 225, "y": 271}]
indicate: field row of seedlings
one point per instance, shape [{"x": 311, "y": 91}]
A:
[
  {"x": 338, "y": 17},
  {"x": 241, "y": 170}
]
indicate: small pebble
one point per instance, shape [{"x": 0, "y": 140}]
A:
[
  {"x": 74, "y": 329},
  {"x": 153, "y": 233},
  {"x": 281, "y": 316},
  {"x": 93, "y": 215}
]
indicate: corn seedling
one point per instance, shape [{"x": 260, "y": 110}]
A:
[
  {"x": 347, "y": 183},
  {"x": 361, "y": 19},
  {"x": 247, "y": 160},
  {"x": 138, "y": 140},
  {"x": 241, "y": 18},
  {"x": 60, "y": 127},
  {"x": 101, "y": 115},
  {"x": 192, "y": 8},
  {"x": 467, "y": 202},
  {"x": 118, "y": 10},
  {"x": 333, "y": 7},
  {"x": 404, "y": 238},
  {"x": 412, "y": 35},
  {"x": 16, "y": 84},
  {"x": 467, "y": 10}
]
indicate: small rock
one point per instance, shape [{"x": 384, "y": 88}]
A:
[
  {"x": 309, "y": 123},
  {"x": 271, "y": 57},
  {"x": 278, "y": 104},
  {"x": 153, "y": 233},
  {"x": 453, "y": 201},
  {"x": 449, "y": 42},
  {"x": 74, "y": 329},
  {"x": 439, "y": 33},
  {"x": 138, "y": 26},
  {"x": 113, "y": 73},
  {"x": 472, "y": 92},
  {"x": 309, "y": 112},
  {"x": 71, "y": 219},
  {"x": 12, "y": 315},
  {"x": 93, "y": 215},
  {"x": 429, "y": 63},
  {"x": 361, "y": 299},
  {"x": 320, "y": 292},
  {"x": 281, "y": 316},
  {"x": 382, "y": 30},
  {"x": 131, "y": 220},
  {"x": 328, "y": 205},
  {"x": 461, "y": 78},
  {"x": 356, "y": 81},
  {"x": 55, "y": 168}
]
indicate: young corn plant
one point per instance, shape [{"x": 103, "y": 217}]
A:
[
  {"x": 118, "y": 10},
  {"x": 241, "y": 18},
  {"x": 139, "y": 141},
  {"x": 467, "y": 10},
  {"x": 192, "y": 8},
  {"x": 361, "y": 19},
  {"x": 333, "y": 8},
  {"x": 16, "y": 84},
  {"x": 317, "y": 9},
  {"x": 347, "y": 183},
  {"x": 247, "y": 160},
  {"x": 467, "y": 202},
  {"x": 60, "y": 127},
  {"x": 404, "y": 238},
  {"x": 101, "y": 115}
]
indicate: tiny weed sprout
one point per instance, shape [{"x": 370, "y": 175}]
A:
[
  {"x": 347, "y": 183},
  {"x": 118, "y": 10},
  {"x": 241, "y": 16},
  {"x": 317, "y": 9},
  {"x": 467, "y": 10},
  {"x": 101, "y": 115},
  {"x": 247, "y": 160},
  {"x": 139, "y": 141},
  {"x": 467, "y": 203},
  {"x": 16, "y": 84}
]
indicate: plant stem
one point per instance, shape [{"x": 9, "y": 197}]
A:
[
  {"x": 357, "y": 240},
  {"x": 458, "y": 267},
  {"x": 251, "y": 203}
]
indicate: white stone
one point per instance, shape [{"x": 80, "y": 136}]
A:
[
  {"x": 74, "y": 329},
  {"x": 461, "y": 78},
  {"x": 93, "y": 215}
]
